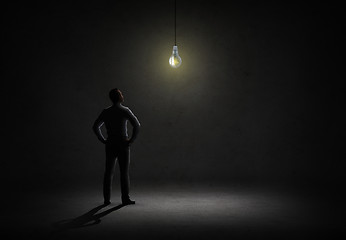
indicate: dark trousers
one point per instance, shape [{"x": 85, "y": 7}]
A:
[{"x": 117, "y": 150}]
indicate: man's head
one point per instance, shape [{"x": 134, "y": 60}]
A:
[{"x": 116, "y": 96}]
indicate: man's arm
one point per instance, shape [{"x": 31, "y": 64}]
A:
[
  {"x": 97, "y": 128},
  {"x": 135, "y": 124}
]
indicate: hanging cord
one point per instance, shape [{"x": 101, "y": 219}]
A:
[{"x": 175, "y": 23}]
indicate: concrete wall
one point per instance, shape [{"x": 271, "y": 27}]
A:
[{"x": 257, "y": 96}]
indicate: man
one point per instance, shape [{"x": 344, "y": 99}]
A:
[{"x": 118, "y": 143}]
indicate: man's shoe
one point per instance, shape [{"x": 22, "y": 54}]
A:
[
  {"x": 106, "y": 203},
  {"x": 128, "y": 202}
]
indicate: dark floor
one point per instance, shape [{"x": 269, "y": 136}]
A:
[{"x": 176, "y": 212}]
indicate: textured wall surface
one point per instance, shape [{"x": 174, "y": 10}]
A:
[{"x": 258, "y": 95}]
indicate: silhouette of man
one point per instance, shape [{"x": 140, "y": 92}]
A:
[{"x": 118, "y": 143}]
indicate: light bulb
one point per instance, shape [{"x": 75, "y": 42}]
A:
[{"x": 175, "y": 59}]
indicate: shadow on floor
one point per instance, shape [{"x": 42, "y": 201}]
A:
[{"x": 88, "y": 219}]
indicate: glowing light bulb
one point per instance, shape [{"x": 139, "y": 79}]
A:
[{"x": 175, "y": 59}]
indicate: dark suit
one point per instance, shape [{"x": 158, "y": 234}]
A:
[{"x": 115, "y": 119}]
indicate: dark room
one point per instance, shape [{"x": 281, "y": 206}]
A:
[{"x": 173, "y": 120}]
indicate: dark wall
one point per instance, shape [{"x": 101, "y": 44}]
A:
[{"x": 258, "y": 95}]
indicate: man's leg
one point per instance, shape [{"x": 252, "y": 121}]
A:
[
  {"x": 124, "y": 165},
  {"x": 109, "y": 172}
]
